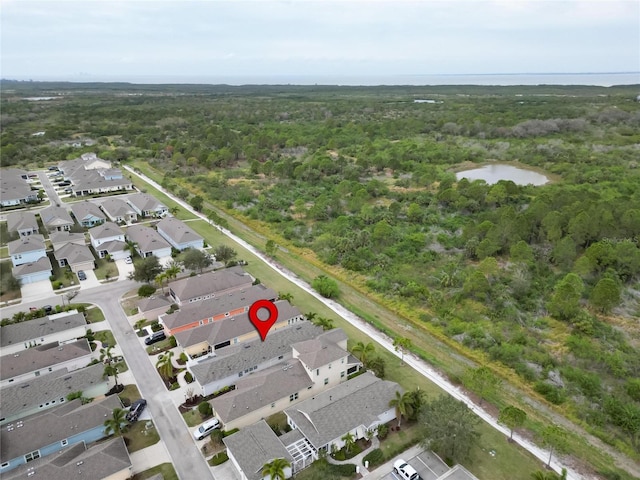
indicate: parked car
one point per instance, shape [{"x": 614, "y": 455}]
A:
[
  {"x": 206, "y": 428},
  {"x": 155, "y": 337},
  {"x": 128, "y": 260},
  {"x": 65, "y": 183},
  {"x": 136, "y": 409},
  {"x": 82, "y": 275},
  {"x": 68, "y": 190},
  {"x": 405, "y": 471},
  {"x": 53, "y": 169}
]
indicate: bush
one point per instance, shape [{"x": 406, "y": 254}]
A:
[
  {"x": 73, "y": 396},
  {"x": 146, "y": 290},
  {"x": 188, "y": 377},
  {"x": 553, "y": 394},
  {"x": 173, "y": 342},
  {"x": 383, "y": 431},
  {"x": 374, "y": 457},
  {"x": 218, "y": 459},
  {"x": 344, "y": 469},
  {"x": 205, "y": 409},
  {"x": 230, "y": 432},
  {"x": 174, "y": 386}
]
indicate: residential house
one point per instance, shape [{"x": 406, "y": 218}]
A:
[
  {"x": 61, "y": 328},
  {"x": 27, "y": 249},
  {"x": 261, "y": 395},
  {"x": 147, "y": 206},
  {"x": 118, "y": 210},
  {"x": 22, "y": 223},
  {"x": 77, "y": 257},
  {"x": 148, "y": 242},
  {"x": 87, "y": 214},
  {"x": 56, "y": 219},
  {"x": 354, "y": 406},
  {"x": 192, "y": 315},
  {"x": 178, "y": 234},
  {"x": 15, "y": 189},
  {"x": 91, "y": 175},
  {"x": 103, "y": 461},
  {"x": 37, "y": 271},
  {"x": 209, "y": 285},
  {"x": 44, "y": 359},
  {"x": 203, "y": 340},
  {"x": 48, "y": 391},
  {"x": 48, "y": 432},
  {"x": 60, "y": 239},
  {"x": 231, "y": 363},
  {"x": 108, "y": 239},
  {"x": 253, "y": 447},
  {"x": 151, "y": 307}
]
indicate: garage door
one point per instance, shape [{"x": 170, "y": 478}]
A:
[{"x": 34, "y": 277}]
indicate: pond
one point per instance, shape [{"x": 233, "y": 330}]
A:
[{"x": 499, "y": 171}]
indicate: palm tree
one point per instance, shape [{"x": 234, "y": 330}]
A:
[
  {"x": 160, "y": 279},
  {"x": 174, "y": 210},
  {"x": 173, "y": 269},
  {"x": 401, "y": 344},
  {"x": 106, "y": 355},
  {"x": 542, "y": 475},
  {"x": 117, "y": 423},
  {"x": 325, "y": 323},
  {"x": 311, "y": 316},
  {"x": 275, "y": 469},
  {"x": 285, "y": 296},
  {"x": 349, "y": 441},
  {"x": 364, "y": 351},
  {"x": 403, "y": 404},
  {"x": 111, "y": 371},
  {"x": 164, "y": 365}
]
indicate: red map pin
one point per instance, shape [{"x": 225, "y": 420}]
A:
[{"x": 263, "y": 325}]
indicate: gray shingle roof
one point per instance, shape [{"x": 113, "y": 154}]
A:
[
  {"x": 260, "y": 389},
  {"x": 147, "y": 238},
  {"x": 43, "y": 264},
  {"x": 321, "y": 350},
  {"x": 55, "y": 217},
  {"x": 334, "y": 412},
  {"x": 211, "y": 307},
  {"x": 54, "y": 425},
  {"x": 67, "y": 237},
  {"x": 21, "y": 221},
  {"x": 229, "y": 328},
  {"x": 254, "y": 446},
  {"x": 100, "y": 461},
  {"x": 105, "y": 230},
  {"x": 113, "y": 246},
  {"x": 30, "y": 243},
  {"x": 40, "y": 327},
  {"x": 86, "y": 210},
  {"x": 116, "y": 207},
  {"x": 237, "y": 358},
  {"x": 57, "y": 384},
  {"x": 151, "y": 303},
  {"x": 13, "y": 186},
  {"x": 41, "y": 357},
  {"x": 73, "y": 253},
  {"x": 177, "y": 230},
  {"x": 210, "y": 283},
  {"x": 145, "y": 202}
]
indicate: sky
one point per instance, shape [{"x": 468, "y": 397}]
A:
[{"x": 124, "y": 40}]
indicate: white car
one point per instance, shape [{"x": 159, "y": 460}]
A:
[
  {"x": 128, "y": 260},
  {"x": 206, "y": 428},
  {"x": 405, "y": 471}
]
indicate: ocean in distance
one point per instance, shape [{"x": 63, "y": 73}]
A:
[{"x": 596, "y": 79}]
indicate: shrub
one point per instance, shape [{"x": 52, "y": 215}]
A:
[
  {"x": 344, "y": 469},
  {"x": 374, "y": 457},
  {"x": 188, "y": 377},
  {"x": 146, "y": 290},
  {"x": 219, "y": 459},
  {"x": 173, "y": 342},
  {"x": 174, "y": 386},
  {"x": 73, "y": 396},
  {"x": 553, "y": 394},
  {"x": 382, "y": 430},
  {"x": 57, "y": 285},
  {"x": 205, "y": 409},
  {"x": 230, "y": 432}
]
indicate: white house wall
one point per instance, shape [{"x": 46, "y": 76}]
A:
[
  {"x": 65, "y": 336},
  {"x": 27, "y": 257}
]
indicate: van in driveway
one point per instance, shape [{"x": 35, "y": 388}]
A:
[{"x": 155, "y": 337}]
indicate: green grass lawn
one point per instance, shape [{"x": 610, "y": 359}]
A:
[
  {"x": 94, "y": 315},
  {"x": 105, "y": 336},
  {"x": 104, "y": 267},
  {"x": 63, "y": 275},
  {"x": 165, "y": 469},
  {"x": 140, "y": 435},
  {"x": 4, "y": 252},
  {"x": 192, "y": 417},
  {"x": 129, "y": 394}
]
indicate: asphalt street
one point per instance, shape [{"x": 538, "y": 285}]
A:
[{"x": 185, "y": 456}]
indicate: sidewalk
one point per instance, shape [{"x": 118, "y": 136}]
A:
[
  {"x": 357, "y": 460},
  {"x": 387, "y": 468}
]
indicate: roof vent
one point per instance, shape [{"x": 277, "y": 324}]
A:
[{"x": 79, "y": 463}]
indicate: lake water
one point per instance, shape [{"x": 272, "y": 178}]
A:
[{"x": 494, "y": 173}]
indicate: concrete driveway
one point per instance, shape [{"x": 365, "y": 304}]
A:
[
  {"x": 90, "y": 282},
  {"x": 123, "y": 269},
  {"x": 36, "y": 290}
]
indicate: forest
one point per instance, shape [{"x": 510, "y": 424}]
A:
[{"x": 542, "y": 282}]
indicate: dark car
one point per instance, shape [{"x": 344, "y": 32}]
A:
[
  {"x": 136, "y": 409},
  {"x": 155, "y": 337},
  {"x": 82, "y": 275},
  {"x": 53, "y": 169},
  {"x": 66, "y": 183}
]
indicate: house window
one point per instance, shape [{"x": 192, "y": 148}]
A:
[
  {"x": 342, "y": 374},
  {"x": 240, "y": 374},
  {"x": 318, "y": 372},
  {"x": 326, "y": 381},
  {"x": 293, "y": 397},
  {"x": 64, "y": 442},
  {"x": 32, "y": 456}
]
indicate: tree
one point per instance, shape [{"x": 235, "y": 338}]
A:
[
  {"x": 111, "y": 370},
  {"x": 401, "y": 344},
  {"x": 174, "y": 210},
  {"x": 146, "y": 269},
  {"x": 565, "y": 301},
  {"x": 482, "y": 381},
  {"x": 605, "y": 295},
  {"x": 363, "y": 351},
  {"x": 377, "y": 366},
  {"x": 542, "y": 475},
  {"x": 271, "y": 248},
  {"x": 555, "y": 438},
  {"x": 117, "y": 423},
  {"x": 275, "y": 469},
  {"x": 173, "y": 269},
  {"x": 165, "y": 366},
  {"x": 325, "y": 286},
  {"x": 285, "y": 296},
  {"x": 512, "y": 417},
  {"x": 195, "y": 259},
  {"x": 403, "y": 403},
  {"x": 325, "y": 323},
  {"x": 197, "y": 202},
  {"x": 448, "y": 427},
  {"x": 160, "y": 279},
  {"x": 349, "y": 441},
  {"x": 224, "y": 253},
  {"x": 106, "y": 354}
]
